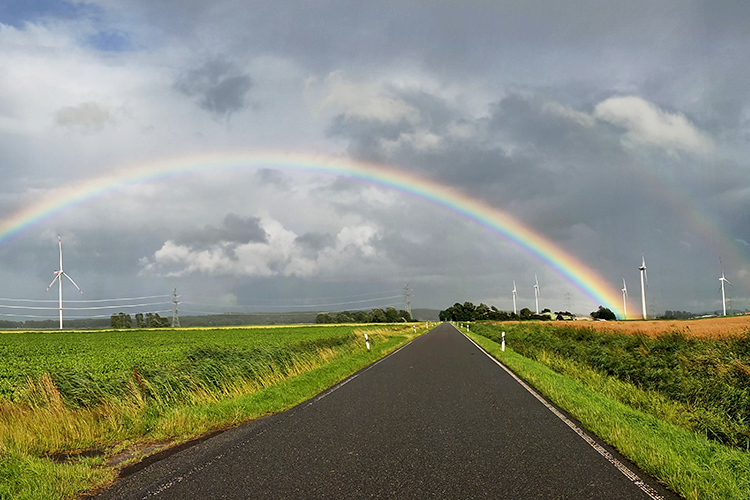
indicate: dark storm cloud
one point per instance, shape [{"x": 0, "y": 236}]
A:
[
  {"x": 235, "y": 229},
  {"x": 219, "y": 86}
]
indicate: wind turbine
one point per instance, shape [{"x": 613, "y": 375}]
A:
[
  {"x": 624, "y": 299},
  {"x": 644, "y": 284},
  {"x": 536, "y": 293},
  {"x": 58, "y": 277},
  {"x": 515, "y": 294},
  {"x": 723, "y": 297}
]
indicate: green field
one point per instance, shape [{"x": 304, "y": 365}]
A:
[
  {"x": 85, "y": 364},
  {"x": 115, "y": 393}
]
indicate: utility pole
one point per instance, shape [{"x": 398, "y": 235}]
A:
[
  {"x": 407, "y": 299},
  {"x": 175, "y": 317}
]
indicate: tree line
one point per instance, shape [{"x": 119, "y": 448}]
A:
[
  {"x": 377, "y": 315},
  {"x": 150, "y": 320},
  {"x": 470, "y": 312}
]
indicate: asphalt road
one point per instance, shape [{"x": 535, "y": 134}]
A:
[{"x": 436, "y": 419}]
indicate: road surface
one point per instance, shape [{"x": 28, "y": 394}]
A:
[{"x": 436, "y": 419}]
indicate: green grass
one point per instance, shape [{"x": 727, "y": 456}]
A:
[
  {"x": 632, "y": 420},
  {"x": 187, "y": 383}
]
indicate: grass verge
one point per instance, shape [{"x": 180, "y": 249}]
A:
[
  {"x": 689, "y": 464},
  {"x": 29, "y": 473}
]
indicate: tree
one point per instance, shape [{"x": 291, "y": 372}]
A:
[
  {"x": 604, "y": 313},
  {"x": 121, "y": 320},
  {"x": 525, "y": 314},
  {"x": 378, "y": 316},
  {"x": 343, "y": 317},
  {"x": 324, "y": 318},
  {"x": 391, "y": 315},
  {"x": 153, "y": 320}
]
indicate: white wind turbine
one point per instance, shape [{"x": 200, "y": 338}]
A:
[
  {"x": 536, "y": 292},
  {"x": 644, "y": 284},
  {"x": 723, "y": 296},
  {"x": 515, "y": 294},
  {"x": 624, "y": 299},
  {"x": 59, "y": 274}
]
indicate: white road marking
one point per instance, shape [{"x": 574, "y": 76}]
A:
[{"x": 632, "y": 476}]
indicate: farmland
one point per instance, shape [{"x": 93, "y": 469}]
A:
[
  {"x": 75, "y": 405},
  {"x": 705, "y": 328}
]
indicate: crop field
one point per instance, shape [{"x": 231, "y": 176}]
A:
[
  {"x": 705, "y": 328},
  {"x": 73, "y": 403},
  {"x": 102, "y": 361}
]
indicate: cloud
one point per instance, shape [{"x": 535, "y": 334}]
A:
[
  {"x": 364, "y": 101},
  {"x": 220, "y": 87},
  {"x": 86, "y": 117},
  {"x": 282, "y": 253},
  {"x": 647, "y": 124},
  {"x": 235, "y": 229}
]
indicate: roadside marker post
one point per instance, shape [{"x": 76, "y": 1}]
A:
[
  {"x": 367, "y": 342},
  {"x": 503, "y": 346}
]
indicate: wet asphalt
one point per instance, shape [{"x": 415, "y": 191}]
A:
[{"x": 436, "y": 419}]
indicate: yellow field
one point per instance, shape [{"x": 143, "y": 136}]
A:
[{"x": 708, "y": 328}]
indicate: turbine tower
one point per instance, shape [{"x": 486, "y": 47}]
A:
[
  {"x": 624, "y": 300},
  {"x": 723, "y": 296},
  {"x": 515, "y": 294},
  {"x": 58, "y": 277},
  {"x": 644, "y": 284},
  {"x": 536, "y": 292}
]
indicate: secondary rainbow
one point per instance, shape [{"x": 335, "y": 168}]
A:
[{"x": 583, "y": 277}]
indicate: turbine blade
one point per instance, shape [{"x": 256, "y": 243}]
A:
[
  {"x": 74, "y": 283},
  {"x": 59, "y": 244},
  {"x": 53, "y": 282}
]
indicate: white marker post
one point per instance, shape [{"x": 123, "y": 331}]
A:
[
  {"x": 415, "y": 328},
  {"x": 367, "y": 342},
  {"x": 503, "y": 341}
]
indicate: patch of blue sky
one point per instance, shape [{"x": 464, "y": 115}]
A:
[{"x": 18, "y": 12}]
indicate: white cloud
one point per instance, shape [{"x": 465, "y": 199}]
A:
[
  {"x": 569, "y": 113},
  {"x": 87, "y": 116},
  {"x": 280, "y": 255},
  {"x": 363, "y": 100},
  {"x": 647, "y": 124}
]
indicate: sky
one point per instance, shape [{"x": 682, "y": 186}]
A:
[{"x": 616, "y": 130}]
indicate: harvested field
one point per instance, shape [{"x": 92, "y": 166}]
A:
[{"x": 707, "y": 328}]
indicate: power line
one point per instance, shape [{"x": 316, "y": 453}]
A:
[
  {"x": 90, "y": 300},
  {"x": 120, "y": 306}
]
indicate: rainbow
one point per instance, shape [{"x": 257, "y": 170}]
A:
[{"x": 577, "y": 273}]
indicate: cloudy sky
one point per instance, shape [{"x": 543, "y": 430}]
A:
[{"x": 615, "y": 129}]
